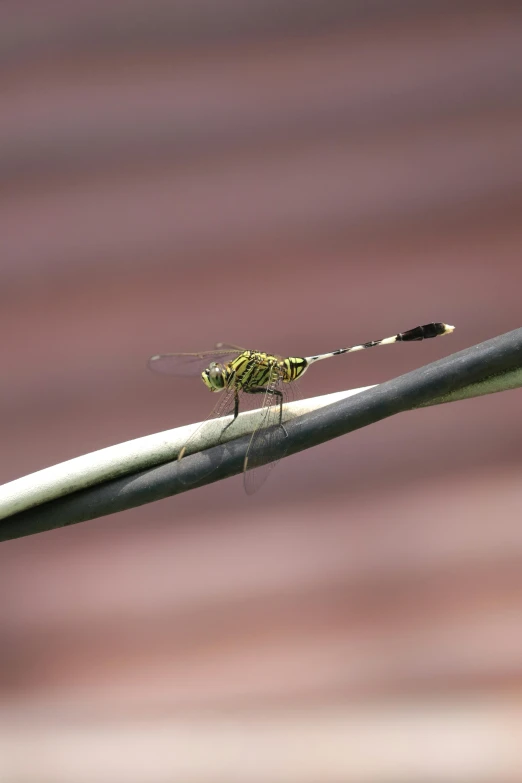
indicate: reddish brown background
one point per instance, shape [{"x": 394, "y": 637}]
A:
[{"x": 293, "y": 178}]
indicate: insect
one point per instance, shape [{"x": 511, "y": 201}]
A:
[{"x": 237, "y": 372}]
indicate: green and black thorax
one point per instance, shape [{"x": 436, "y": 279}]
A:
[{"x": 252, "y": 370}]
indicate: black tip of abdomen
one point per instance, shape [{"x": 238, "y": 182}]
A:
[{"x": 423, "y": 332}]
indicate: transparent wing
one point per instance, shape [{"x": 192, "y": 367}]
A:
[
  {"x": 267, "y": 444},
  {"x": 224, "y": 407},
  {"x": 229, "y": 347},
  {"x": 190, "y": 363}
]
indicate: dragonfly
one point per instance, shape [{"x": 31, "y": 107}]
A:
[{"x": 239, "y": 373}]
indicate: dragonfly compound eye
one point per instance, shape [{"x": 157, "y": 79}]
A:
[{"x": 214, "y": 377}]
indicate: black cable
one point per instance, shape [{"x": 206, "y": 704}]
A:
[{"x": 473, "y": 365}]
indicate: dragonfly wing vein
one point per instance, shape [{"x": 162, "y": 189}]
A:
[{"x": 189, "y": 363}]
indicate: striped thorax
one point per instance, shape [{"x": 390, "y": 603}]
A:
[{"x": 252, "y": 370}]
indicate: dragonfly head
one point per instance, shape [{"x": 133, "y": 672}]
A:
[{"x": 214, "y": 377}]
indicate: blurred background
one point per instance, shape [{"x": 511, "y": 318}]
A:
[{"x": 292, "y": 177}]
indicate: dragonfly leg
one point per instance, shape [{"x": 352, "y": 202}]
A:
[
  {"x": 267, "y": 390},
  {"x": 236, "y": 410}
]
